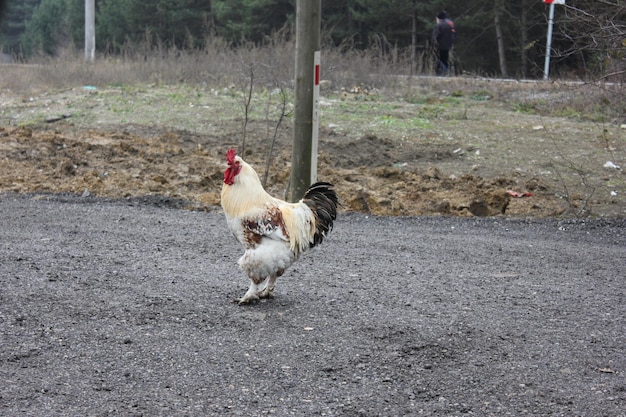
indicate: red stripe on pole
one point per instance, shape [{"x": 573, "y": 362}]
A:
[{"x": 317, "y": 75}]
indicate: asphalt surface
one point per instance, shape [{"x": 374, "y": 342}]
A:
[{"x": 123, "y": 308}]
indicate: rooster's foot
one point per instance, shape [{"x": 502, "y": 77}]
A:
[
  {"x": 253, "y": 293},
  {"x": 266, "y": 293},
  {"x": 247, "y": 299}
]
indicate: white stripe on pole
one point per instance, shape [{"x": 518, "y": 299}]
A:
[{"x": 316, "y": 114}]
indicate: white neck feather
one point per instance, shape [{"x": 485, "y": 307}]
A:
[{"x": 246, "y": 195}]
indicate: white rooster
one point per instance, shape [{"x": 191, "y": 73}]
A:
[{"x": 273, "y": 232}]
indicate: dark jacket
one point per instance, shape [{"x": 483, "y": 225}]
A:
[{"x": 444, "y": 34}]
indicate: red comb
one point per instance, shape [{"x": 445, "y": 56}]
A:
[{"x": 230, "y": 156}]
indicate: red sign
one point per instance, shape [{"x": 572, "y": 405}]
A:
[{"x": 317, "y": 75}]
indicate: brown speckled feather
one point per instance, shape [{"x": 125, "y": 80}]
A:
[{"x": 271, "y": 223}]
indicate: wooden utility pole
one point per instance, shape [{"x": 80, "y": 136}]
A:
[
  {"x": 90, "y": 30},
  {"x": 308, "y": 18}
]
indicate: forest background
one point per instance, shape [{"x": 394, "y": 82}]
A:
[{"x": 494, "y": 37}]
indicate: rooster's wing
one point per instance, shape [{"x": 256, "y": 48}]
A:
[{"x": 269, "y": 225}]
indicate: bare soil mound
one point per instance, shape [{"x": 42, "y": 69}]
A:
[{"x": 136, "y": 161}]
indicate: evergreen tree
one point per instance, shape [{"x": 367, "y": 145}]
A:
[
  {"x": 46, "y": 29},
  {"x": 15, "y": 15},
  {"x": 389, "y": 20},
  {"x": 252, "y": 20},
  {"x": 75, "y": 21},
  {"x": 114, "y": 24},
  {"x": 338, "y": 22},
  {"x": 181, "y": 23}
]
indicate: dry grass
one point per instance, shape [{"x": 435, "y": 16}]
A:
[{"x": 269, "y": 66}]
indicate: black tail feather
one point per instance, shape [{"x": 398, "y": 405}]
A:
[{"x": 322, "y": 200}]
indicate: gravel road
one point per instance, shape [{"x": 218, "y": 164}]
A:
[{"x": 123, "y": 308}]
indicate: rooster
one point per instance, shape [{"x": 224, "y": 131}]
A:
[{"x": 272, "y": 232}]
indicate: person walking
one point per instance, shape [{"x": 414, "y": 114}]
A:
[{"x": 444, "y": 36}]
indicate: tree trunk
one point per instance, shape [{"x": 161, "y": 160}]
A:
[
  {"x": 414, "y": 42},
  {"x": 500, "y": 38},
  {"x": 524, "y": 38}
]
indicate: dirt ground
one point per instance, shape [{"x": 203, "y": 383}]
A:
[
  {"x": 119, "y": 308},
  {"x": 480, "y": 166}
]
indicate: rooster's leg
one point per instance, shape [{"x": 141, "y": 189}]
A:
[
  {"x": 253, "y": 292},
  {"x": 269, "y": 288}
]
